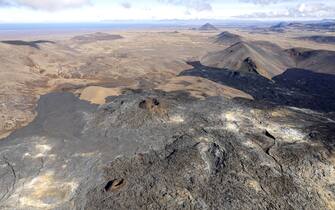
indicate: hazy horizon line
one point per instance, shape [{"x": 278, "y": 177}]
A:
[{"x": 174, "y": 20}]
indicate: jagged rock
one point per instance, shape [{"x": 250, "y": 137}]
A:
[
  {"x": 200, "y": 154},
  {"x": 249, "y": 65}
]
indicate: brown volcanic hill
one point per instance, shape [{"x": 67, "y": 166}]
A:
[
  {"x": 320, "y": 61},
  {"x": 263, "y": 58},
  {"x": 270, "y": 60},
  {"x": 227, "y": 38},
  {"x": 208, "y": 27}
]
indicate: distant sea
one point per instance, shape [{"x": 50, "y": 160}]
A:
[
  {"x": 26, "y": 30},
  {"x": 73, "y": 26}
]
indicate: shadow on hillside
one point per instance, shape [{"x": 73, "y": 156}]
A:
[
  {"x": 34, "y": 44},
  {"x": 295, "y": 87}
]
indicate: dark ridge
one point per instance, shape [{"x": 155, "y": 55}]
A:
[
  {"x": 279, "y": 28},
  {"x": 34, "y": 44},
  {"x": 227, "y": 38},
  {"x": 319, "y": 39},
  {"x": 323, "y": 25},
  {"x": 295, "y": 87},
  {"x": 279, "y": 25}
]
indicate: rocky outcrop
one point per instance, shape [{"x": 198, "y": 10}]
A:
[
  {"x": 157, "y": 150},
  {"x": 248, "y": 65}
]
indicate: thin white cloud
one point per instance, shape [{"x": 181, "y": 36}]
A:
[
  {"x": 50, "y": 5},
  {"x": 266, "y": 2},
  {"x": 39, "y": 10},
  {"x": 198, "y": 5},
  {"x": 303, "y": 10}
]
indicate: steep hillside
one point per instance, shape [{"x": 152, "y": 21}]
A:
[
  {"x": 263, "y": 58},
  {"x": 321, "y": 61},
  {"x": 227, "y": 38},
  {"x": 270, "y": 60}
]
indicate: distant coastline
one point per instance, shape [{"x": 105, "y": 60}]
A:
[
  {"x": 71, "y": 26},
  {"x": 40, "y": 30}
]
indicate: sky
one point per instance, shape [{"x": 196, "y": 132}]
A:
[{"x": 19, "y": 11}]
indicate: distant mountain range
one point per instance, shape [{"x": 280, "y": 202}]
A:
[{"x": 326, "y": 24}]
